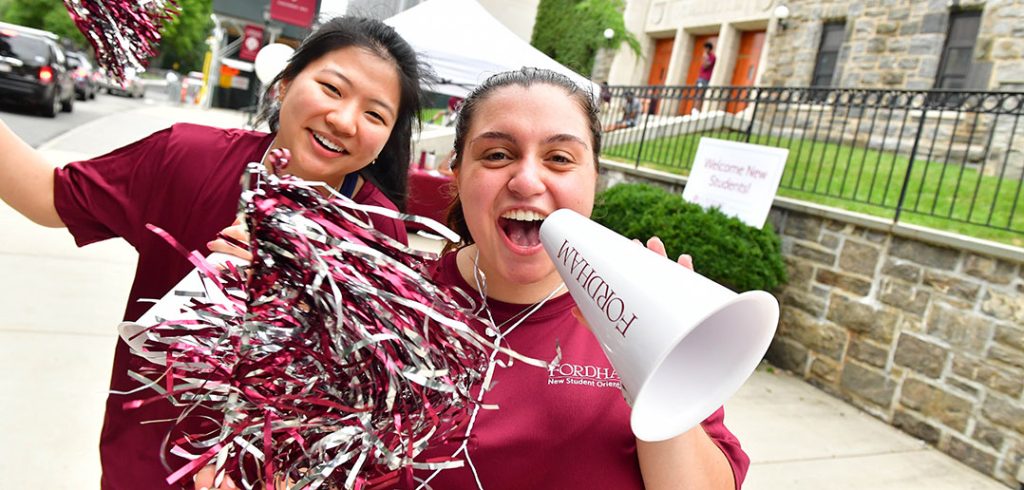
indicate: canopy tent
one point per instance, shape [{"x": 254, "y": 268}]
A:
[{"x": 464, "y": 45}]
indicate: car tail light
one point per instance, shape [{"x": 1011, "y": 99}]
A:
[{"x": 45, "y": 74}]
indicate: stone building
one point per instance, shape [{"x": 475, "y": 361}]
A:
[
  {"x": 921, "y": 44},
  {"x": 921, "y": 329}
]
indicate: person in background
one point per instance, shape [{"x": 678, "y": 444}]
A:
[
  {"x": 707, "y": 67},
  {"x": 630, "y": 113},
  {"x": 606, "y": 95},
  {"x": 346, "y": 107}
]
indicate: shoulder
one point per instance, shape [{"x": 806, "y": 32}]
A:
[
  {"x": 369, "y": 194},
  {"x": 445, "y": 270},
  {"x": 372, "y": 195},
  {"x": 199, "y": 134},
  {"x": 206, "y": 147}
]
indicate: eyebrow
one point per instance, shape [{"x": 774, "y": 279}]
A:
[
  {"x": 558, "y": 138},
  {"x": 348, "y": 82}
]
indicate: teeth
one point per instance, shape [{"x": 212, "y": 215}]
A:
[
  {"x": 328, "y": 144},
  {"x": 523, "y": 215}
]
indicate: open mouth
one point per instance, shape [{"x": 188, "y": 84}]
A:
[
  {"x": 327, "y": 144},
  {"x": 522, "y": 227}
]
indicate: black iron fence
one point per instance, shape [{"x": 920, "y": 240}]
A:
[{"x": 947, "y": 159}]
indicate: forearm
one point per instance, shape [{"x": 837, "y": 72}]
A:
[
  {"x": 26, "y": 180},
  {"x": 690, "y": 460}
]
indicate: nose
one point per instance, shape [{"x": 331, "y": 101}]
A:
[
  {"x": 343, "y": 119},
  {"x": 527, "y": 178}
]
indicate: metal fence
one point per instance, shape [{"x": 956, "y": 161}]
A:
[{"x": 931, "y": 157}]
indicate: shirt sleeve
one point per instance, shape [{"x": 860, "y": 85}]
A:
[
  {"x": 108, "y": 196},
  {"x": 715, "y": 428}
]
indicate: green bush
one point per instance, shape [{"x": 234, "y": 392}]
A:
[{"x": 724, "y": 249}]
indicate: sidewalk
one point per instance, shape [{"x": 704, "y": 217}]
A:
[{"x": 62, "y": 305}]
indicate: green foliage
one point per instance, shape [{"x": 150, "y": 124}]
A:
[
  {"x": 571, "y": 31},
  {"x": 184, "y": 39},
  {"x": 724, "y": 249},
  {"x": 48, "y": 15}
]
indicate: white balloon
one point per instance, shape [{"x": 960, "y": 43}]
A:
[{"x": 271, "y": 60}]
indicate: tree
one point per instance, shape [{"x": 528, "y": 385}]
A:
[
  {"x": 48, "y": 15},
  {"x": 183, "y": 39},
  {"x": 572, "y": 31}
]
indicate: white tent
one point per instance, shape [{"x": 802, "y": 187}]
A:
[{"x": 464, "y": 45}]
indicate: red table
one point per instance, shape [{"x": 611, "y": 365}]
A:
[{"x": 430, "y": 193}]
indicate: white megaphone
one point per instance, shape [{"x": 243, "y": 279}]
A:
[{"x": 681, "y": 343}]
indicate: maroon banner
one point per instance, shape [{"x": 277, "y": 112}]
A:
[
  {"x": 252, "y": 41},
  {"x": 295, "y": 12}
]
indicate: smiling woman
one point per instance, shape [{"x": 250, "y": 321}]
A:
[
  {"x": 526, "y": 145},
  {"x": 348, "y": 100}
]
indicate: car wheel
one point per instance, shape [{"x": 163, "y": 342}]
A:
[
  {"x": 68, "y": 105},
  {"x": 92, "y": 95},
  {"x": 51, "y": 107}
]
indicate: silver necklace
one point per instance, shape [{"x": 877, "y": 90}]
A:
[{"x": 493, "y": 331}]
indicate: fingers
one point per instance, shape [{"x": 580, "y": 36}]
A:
[
  {"x": 655, "y": 245},
  {"x": 686, "y": 261},
  {"x": 204, "y": 479},
  {"x": 232, "y": 240},
  {"x": 222, "y": 246}
]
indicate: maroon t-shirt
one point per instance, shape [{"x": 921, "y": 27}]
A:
[
  {"x": 186, "y": 180},
  {"x": 562, "y": 427}
]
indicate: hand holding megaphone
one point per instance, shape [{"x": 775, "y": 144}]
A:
[{"x": 681, "y": 343}]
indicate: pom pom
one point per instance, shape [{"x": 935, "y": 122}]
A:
[
  {"x": 336, "y": 363},
  {"x": 123, "y": 33}
]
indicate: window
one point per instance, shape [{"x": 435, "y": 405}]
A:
[
  {"x": 958, "y": 52},
  {"x": 832, "y": 35}
]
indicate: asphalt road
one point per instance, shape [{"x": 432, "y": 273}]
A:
[{"x": 36, "y": 129}]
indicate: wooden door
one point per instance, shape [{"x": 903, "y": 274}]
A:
[
  {"x": 659, "y": 67},
  {"x": 695, "y": 61},
  {"x": 747, "y": 60}
]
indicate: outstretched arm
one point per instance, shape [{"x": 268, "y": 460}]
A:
[
  {"x": 689, "y": 460},
  {"x": 26, "y": 180}
]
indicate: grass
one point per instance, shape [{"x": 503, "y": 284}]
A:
[
  {"x": 427, "y": 114},
  {"x": 947, "y": 197}
]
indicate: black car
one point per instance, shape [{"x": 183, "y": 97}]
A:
[
  {"x": 84, "y": 75},
  {"x": 33, "y": 70}
]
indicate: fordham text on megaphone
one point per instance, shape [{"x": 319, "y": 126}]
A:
[{"x": 682, "y": 344}]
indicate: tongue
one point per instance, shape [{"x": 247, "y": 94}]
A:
[{"x": 523, "y": 233}]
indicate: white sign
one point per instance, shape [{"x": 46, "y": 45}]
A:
[{"x": 738, "y": 178}]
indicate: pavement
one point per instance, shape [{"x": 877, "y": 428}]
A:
[{"x": 62, "y": 306}]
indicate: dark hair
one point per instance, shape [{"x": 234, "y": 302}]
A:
[
  {"x": 523, "y": 77},
  {"x": 390, "y": 172},
  {"x": 708, "y": 45}
]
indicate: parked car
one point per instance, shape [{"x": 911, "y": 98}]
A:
[
  {"x": 131, "y": 87},
  {"x": 84, "y": 75},
  {"x": 33, "y": 70}
]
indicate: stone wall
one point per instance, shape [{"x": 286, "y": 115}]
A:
[
  {"x": 922, "y": 330},
  {"x": 897, "y": 44}
]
